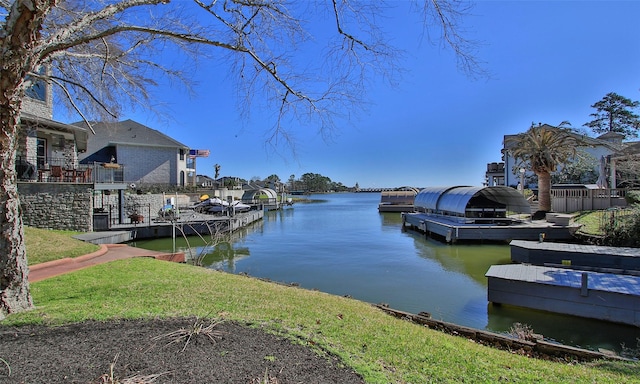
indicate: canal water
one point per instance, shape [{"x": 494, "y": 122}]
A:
[{"x": 341, "y": 244}]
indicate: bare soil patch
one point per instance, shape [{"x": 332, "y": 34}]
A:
[{"x": 153, "y": 351}]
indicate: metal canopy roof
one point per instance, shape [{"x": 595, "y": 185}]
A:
[
  {"x": 251, "y": 193},
  {"x": 455, "y": 200}
]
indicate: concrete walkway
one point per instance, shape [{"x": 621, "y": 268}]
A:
[{"x": 106, "y": 253}]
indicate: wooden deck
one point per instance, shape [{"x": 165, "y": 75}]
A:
[
  {"x": 579, "y": 256},
  {"x": 602, "y": 296},
  {"x": 492, "y": 230}
]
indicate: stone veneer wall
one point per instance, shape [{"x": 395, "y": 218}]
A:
[
  {"x": 67, "y": 206},
  {"x": 57, "y": 206}
]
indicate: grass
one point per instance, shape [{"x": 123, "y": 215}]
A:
[
  {"x": 590, "y": 221},
  {"x": 46, "y": 245},
  {"x": 381, "y": 348}
]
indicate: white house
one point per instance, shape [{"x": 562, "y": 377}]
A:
[{"x": 607, "y": 146}]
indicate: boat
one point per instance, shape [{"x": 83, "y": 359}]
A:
[{"x": 216, "y": 205}]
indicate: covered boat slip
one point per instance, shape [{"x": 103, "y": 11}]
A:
[
  {"x": 479, "y": 213},
  {"x": 602, "y": 296},
  {"x": 397, "y": 201},
  {"x": 473, "y": 205},
  {"x": 453, "y": 231}
]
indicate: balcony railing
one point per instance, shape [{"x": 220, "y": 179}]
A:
[{"x": 63, "y": 170}]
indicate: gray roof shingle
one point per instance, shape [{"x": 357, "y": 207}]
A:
[{"x": 127, "y": 132}]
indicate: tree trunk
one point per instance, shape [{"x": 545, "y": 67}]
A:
[
  {"x": 15, "y": 295},
  {"x": 18, "y": 46},
  {"x": 544, "y": 191}
]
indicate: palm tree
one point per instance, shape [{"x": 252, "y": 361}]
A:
[{"x": 542, "y": 148}]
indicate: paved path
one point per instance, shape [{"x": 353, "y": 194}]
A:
[{"x": 106, "y": 253}]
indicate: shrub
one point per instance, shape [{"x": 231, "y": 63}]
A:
[
  {"x": 632, "y": 197},
  {"x": 622, "y": 227}
]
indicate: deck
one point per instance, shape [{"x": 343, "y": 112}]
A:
[
  {"x": 191, "y": 223},
  {"x": 578, "y": 256},
  {"x": 493, "y": 230},
  {"x": 602, "y": 296}
]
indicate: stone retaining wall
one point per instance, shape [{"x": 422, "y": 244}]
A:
[
  {"x": 57, "y": 206},
  {"x": 67, "y": 206}
]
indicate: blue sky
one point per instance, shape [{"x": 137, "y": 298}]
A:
[{"x": 549, "y": 61}]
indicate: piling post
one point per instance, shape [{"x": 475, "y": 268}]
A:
[{"x": 584, "y": 287}]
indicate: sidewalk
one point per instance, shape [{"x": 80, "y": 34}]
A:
[{"x": 105, "y": 254}]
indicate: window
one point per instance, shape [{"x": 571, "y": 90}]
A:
[
  {"x": 37, "y": 89},
  {"x": 41, "y": 153},
  {"x": 182, "y": 154}
]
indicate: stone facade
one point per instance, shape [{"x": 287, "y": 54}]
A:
[
  {"x": 40, "y": 108},
  {"x": 67, "y": 206},
  {"x": 59, "y": 206}
]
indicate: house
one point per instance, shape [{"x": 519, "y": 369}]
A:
[
  {"x": 42, "y": 142},
  {"x": 231, "y": 182},
  {"x": 608, "y": 146},
  {"x": 206, "y": 181},
  {"x": 147, "y": 155}
]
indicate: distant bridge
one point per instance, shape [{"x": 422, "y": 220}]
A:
[{"x": 405, "y": 188}]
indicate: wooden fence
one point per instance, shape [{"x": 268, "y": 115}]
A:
[{"x": 573, "y": 200}]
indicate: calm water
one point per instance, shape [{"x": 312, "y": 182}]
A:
[{"x": 342, "y": 245}]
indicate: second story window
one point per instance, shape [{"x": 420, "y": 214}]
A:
[
  {"x": 182, "y": 154},
  {"x": 37, "y": 89}
]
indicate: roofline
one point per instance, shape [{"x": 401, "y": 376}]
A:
[
  {"x": 51, "y": 123},
  {"x": 115, "y": 143},
  {"x": 80, "y": 134}
]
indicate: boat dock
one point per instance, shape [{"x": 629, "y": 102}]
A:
[
  {"x": 495, "y": 229},
  {"x": 577, "y": 256},
  {"x": 398, "y": 200},
  {"x": 602, "y": 296},
  {"x": 191, "y": 223}
]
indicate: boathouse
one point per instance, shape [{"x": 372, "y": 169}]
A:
[
  {"x": 398, "y": 200},
  {"x": 472, "y": 205},
  {"x": 479, "y": 213}
]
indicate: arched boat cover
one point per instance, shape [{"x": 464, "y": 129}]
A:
[
  {"x": 251, "y": 194},
  {"x": 455, "y": 200},
  {"x": 428, "y": 198}
]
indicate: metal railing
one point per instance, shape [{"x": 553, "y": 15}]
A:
[
  {"x": 107, "y": 173},
  {"x": 61, "y": 169}
]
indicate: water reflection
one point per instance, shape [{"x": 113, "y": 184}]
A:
[{"x": 219, "y": 256}]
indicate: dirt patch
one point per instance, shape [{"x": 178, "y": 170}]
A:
[{"x": 96, "y": 352}]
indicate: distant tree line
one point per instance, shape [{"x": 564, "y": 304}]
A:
[{"x": 309, "y": 183}]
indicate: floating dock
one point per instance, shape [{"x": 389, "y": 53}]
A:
[
  {"x": 497, "y": 229},
  {"x": 602, "y": 296},
  {"x": 577, "y": 256}
]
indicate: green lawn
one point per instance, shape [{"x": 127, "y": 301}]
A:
[
  {"x": 381, "y": 348},
  {"x": 46, "y": 245}
]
